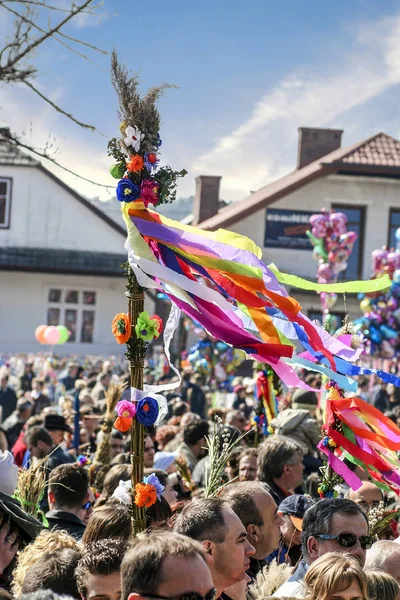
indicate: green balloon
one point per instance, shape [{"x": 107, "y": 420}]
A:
[
  {"x": 117, "y": 170},
  {"x": 64, "y": 334}
]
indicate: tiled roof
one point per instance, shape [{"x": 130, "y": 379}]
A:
[
  {"x": 377, "y": 155},
  {"x": 381, "y": 150}
]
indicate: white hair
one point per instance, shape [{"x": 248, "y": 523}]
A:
[{"x": 379, "y": 553}]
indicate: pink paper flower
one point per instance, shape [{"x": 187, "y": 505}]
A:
[
  {"x": 126, "y": 409},
  {"x": 149, "y": 192}
]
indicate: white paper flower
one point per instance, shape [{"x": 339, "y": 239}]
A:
[
  {"x": 133, "y": 137},
  {"x": 123, "y": 492}
]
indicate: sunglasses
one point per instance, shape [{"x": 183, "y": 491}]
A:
[
  {"x": 348, "y": 540},
  {"x": 87, "y": 505},
  {"x": 211, "y": 595}
]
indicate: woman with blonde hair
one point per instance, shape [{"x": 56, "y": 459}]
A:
[
  {"x": 335, "y": 577},
  {"x": 46, "y": 542},
  {"x": 382, "y": 586}
]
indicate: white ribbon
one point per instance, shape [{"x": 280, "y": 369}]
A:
[{"x": 137, "y": 395}]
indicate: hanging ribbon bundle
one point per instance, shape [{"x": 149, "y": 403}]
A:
[
  {"x": 245, "y": 305},
  {"x": 357, "y": 433}
]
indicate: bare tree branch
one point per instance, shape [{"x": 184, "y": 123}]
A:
[
  {"x": 43, "y": 154},
  {"x": 67, "y": 37},
  {"x": 58, "y": 108},
  {"x": 48, "y": 34},
  {"x": 37, "y": 3}
]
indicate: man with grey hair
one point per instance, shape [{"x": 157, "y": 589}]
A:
[
  {"x": 280, "y": 466},
  {"x": 385, "y": 556},
  {"x": 331, "y": 525}
]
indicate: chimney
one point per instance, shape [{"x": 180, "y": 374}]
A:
[
  {"x": 314, "y": 143},
  {"x": 206, "y": 199}
]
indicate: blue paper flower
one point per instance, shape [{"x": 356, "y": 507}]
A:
[
  {"x": 158, "y": 141},
  {"x": 154, "y": 481},
  {"x": 147, "y": 411},
  {"x": 151, "y": 161},
  {"x": 127, "y": 191}
]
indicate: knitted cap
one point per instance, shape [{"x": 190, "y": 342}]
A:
[{"x": 303, "y": 399}]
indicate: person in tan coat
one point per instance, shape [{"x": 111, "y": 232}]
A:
[{"x": 299, "y": 424}]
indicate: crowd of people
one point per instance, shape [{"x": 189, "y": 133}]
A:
[{"x": 262, "y": 532}]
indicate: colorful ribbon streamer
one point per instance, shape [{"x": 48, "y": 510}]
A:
[
  {"x": 219, "y": 279},
  {"x": 365, "y": 437},
  {"x": 340, "y": 287}
]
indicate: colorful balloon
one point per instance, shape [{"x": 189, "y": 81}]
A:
[
  {"x": 51, "y": 335},
  {"x": 64, "y": 334},
  {"x": 365, "y": 305},
  {"x": 39, "y": 334}
]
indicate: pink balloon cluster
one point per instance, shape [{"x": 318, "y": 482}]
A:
[
  {"x": 333, "y": 245},
  {"x": 52, "y": 334}
]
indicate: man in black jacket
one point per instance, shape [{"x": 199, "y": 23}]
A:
[{"x": 68, "y": 493}]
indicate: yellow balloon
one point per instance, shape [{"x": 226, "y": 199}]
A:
[{"x": 365, "y": 306}]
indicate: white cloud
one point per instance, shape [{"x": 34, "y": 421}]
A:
[
  {"x": 78, "y": 150},
  {"x": 263, "y": 147}
]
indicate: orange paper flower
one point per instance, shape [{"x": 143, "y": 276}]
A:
[
  {"x": 145, "y": 494},
  {"x": 123, "y": 424},
  {"x": 121, "y": 328},
  {"x": 136, "y": 164}
]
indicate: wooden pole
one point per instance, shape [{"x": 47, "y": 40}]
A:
[{"x": 137, "y": 352}]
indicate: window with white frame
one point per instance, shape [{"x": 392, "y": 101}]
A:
[
  {"x": 5, "y": 202},
  {"x": 74, "y": 308}
]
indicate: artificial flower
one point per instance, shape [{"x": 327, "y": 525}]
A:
[
  {"x": 146, "y": 327},
  {"x": 126, "y": 412},
  {"x": 121, "y": 328},
  {"x": 149, "y": 191},
  {"x": 123, "y": 492},
  {"x": 133, "y": 137},
  {"x": 145, "y": 495},
  {"x": 82, "y": 459},
  {"x": 136, "y": 164},
  {"x": 127, "y": 191},
  {"x": 147, "y": 411},
  {"x": 117, "y": 170},
  {"x": 151, "y": 161},
  {"x": 125, "y": 408},
  {"x": 155, "y": 482},
  {"x": 123, "y": 424},
  {"x": 159, "y": 323},
  {"x": 158, "y": 141}
]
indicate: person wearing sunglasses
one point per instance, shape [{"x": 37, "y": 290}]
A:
[
  {"x": 331, "y": 525},
  {"x": 69, "y": 498},
  {"x": 166, "y": 566}
]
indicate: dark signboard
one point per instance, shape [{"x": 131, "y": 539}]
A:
[{"x": 287, "y": 229}]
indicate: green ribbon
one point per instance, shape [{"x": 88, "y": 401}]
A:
[{"x": 342, "y": 287}]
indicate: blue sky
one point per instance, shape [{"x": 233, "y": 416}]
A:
[{"x": 249, "y": 73}]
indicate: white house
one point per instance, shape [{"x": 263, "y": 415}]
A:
[
  {"x": 60, "y": 260},
  {"x": 362, "y": 180}
]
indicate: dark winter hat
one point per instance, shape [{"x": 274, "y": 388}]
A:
[
  {"x": 295, "y": 506},
  {"x": 28, "y": 525},
  {"x": 305, "y": 400}
]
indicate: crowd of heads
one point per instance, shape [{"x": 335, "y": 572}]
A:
[{"x": 262, "y": 530}]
